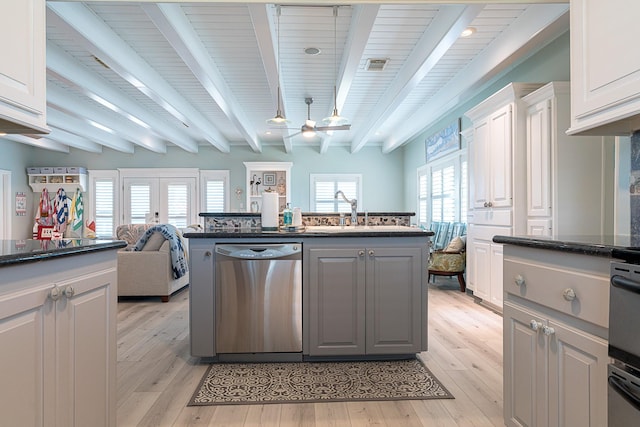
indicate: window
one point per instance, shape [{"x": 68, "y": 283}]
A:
[
  {"x": 324, "y": 188},
  {"x": 214, "y": 189},
  {"x": 103, "y": 201},
  {"x": 443, "y": 190}
]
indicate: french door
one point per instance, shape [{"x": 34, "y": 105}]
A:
[{"x": 170, "y": 200}]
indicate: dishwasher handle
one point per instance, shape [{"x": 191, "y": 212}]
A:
[{"x": 260, "y": 251}]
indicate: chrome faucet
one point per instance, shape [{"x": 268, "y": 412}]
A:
[{"x": 354, "y": 207}]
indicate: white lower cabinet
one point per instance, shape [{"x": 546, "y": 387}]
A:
[
  {"x": 555, "y": 322},
  {"x": 555, "y": 375},
  {"x": 485, "y": 257},
  {"x": 366, "y": 300},
  {"x": 58, "y": 350}
]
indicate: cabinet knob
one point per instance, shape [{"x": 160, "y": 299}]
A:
[
  {"x": 569, "y": 294},
  {"x": 486, "y": 205},
  {"x": 360, "y": 253},
  {"x": 69, "y": 291},
  {"x": 535, "y": 325},
  {"x": 548, "y": 330},
  {"x": 55, "y": 293},
  {"x": 519, "y": 280},
  {"x": 207, "y": 254},
  {"x": 490, "y": 205},
  {"x": 371, "y": 252}
]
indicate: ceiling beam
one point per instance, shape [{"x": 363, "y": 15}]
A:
[
  {"x": 362, "y": 20},
  {"x": 104, "y": 43},
  {"x": 75, "y": 141},
  {"x": 537, "y": 26},
  {"x": 266, "y": 32},
  {"x": 434, "y": 43},
  {"x": 80, "y": 127},
  {"x": 62, "y": 66},
  {"x": 59, "y": 99},
  {"x": 176, "y": 28},
  {"x": 44, "y": 142}
]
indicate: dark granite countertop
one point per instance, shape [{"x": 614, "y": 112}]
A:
[
  {"x": 315, "y": 232},
  {"x": 23, "y": 251},
  {"x": 620, "y": 247},
  {"x": 239, "y": 214}
]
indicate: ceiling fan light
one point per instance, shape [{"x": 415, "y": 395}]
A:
[{"x": 309, "y": 133}]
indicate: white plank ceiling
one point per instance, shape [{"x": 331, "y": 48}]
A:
[{"x": 143, "y": 76}]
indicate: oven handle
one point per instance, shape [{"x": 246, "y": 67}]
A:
[
  {"x": 626, "y": 284},
  {"x": 624, "y": 391}
]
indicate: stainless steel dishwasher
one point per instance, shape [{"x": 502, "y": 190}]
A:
[{"x": 258, "y": 298}]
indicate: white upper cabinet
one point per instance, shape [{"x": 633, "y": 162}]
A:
[
  {"x": 605, "y": 67},
  {"x": 23, "y": 95}
]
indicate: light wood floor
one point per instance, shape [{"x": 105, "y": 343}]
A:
[{"x": 156, "y": 374}]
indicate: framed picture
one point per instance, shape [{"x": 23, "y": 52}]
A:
[
  {"x": 269, "y": 178},
  {"x": 443, "y": 142}
]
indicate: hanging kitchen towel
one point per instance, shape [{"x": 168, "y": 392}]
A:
[
  {"x": 60, "y": 211},
  {"x": 75, "y": 215},
  {"x": 269, "y": 215},
  {"x": 44, "y": 214}
]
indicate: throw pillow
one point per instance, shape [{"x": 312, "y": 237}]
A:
[
  {"x": 154, "y": 242},
  {"x": 456, "y": 245}
]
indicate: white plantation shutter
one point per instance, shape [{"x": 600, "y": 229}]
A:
[
  {"x": 104, "y": 206},
  {"x": 214, "y": 196},
  {"x": 464, "y": 190},
  {"x": 178, "y": 205},
  {"x": 324, "y": 188},
  {"x": 139, "y": 202},
  {"x": 423, "y": 197},
  {"x": 443, "y": 194},
  {"x": 214, "y": 191},
  {"x": 448, "y": 190}
]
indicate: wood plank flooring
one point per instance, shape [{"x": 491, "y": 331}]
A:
[{"x": 156, "y": 374}]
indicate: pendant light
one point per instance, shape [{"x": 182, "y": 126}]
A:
[
  {"x": 278, "y": 119},
  {"x": 335, "y": 119}
]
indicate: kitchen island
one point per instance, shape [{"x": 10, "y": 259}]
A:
[
  {"x": 556, "y": 327},
  {"x": 364, "y": 290},
  {"x": 58, "y": 332}
]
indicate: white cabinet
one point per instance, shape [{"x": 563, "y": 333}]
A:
[
  {"x": 58, "y": 340},
  {"x": 555, "y": 347},
  {"x": 23, "y": 67},
  {"x": 484, "y": 261},
  {"x": 567, "y": 176},
  {"x": 605, "y": 74},
  {"x": 497, "y": 184},
  {"x": 365, "y": 300},
  {"x": 275, "y": 176}
]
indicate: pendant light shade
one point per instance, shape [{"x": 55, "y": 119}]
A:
[
  {"x": 279, "y": 119},
  {"x": 335, "y": 119}
]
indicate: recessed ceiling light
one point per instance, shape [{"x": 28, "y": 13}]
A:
[
  {"x": 468, "y": 32},
  {"x": 312, "y": 51}
]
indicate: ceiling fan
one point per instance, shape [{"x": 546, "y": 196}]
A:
[{"x": 309, "y": 128}]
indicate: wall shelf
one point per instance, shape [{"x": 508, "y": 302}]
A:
[{"x": 53, "y": 181}]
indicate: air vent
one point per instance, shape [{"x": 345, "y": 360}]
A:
[{"x": 376, "y": 64}]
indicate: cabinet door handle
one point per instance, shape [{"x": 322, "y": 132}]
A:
[
  {"x": 360, "y": 253},
  {"x": 55, "y": 293},
  {"x": 69, "y": 291},
  {"x": 569, "y": 294},
  {"x": 548, "y": 330},
  {"x": 372, "y": 252},
  {"x": 535, "y": 325},
  {"x": 519, "y": 280}
]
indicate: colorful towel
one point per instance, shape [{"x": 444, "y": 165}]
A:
[
  {"x": 44, "y": 214},
  {"x": 60, "y": 211},
  {"x": 75, "y": 214},
  {"x": 179, "y": 262}
]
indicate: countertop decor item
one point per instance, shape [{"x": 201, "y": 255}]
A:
[
  {"x": 261, "y": 383},
  {"x": 269, "y": 212}
]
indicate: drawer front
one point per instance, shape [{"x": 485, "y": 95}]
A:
[{"x": 581, "y": 295}]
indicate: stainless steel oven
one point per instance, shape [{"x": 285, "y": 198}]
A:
[{"x": 624, "y": 345}]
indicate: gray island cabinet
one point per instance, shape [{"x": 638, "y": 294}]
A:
[
  {"x": 364, "y": 291},
  {"x": 364, "y": 299}
]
